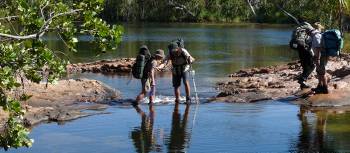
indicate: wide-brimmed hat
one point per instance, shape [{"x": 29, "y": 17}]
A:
[{"x": 159, "y": 53}]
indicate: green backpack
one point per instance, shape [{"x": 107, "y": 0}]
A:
[
  {"x": 332, "y": 42},
  {"x": 139, "y": 67},
  {"x": 300, "y": 38}
]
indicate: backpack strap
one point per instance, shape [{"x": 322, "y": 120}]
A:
[{"x": 182, "y": 55}]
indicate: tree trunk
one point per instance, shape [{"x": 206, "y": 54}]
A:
[{"x": 341, "y": 18}]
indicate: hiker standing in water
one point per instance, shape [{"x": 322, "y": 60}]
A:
[
  {"x": 181, "y": 60},
  {"x": 147, "y": 64},
  {"x": 301, "y": 41}
]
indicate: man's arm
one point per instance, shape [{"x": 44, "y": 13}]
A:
[
  {"x": 164, "y": 64},
  {"x": 188, "y": 56},
  {"x": 317, "y": 47}
]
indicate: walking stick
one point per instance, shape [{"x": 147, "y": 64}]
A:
[{"x": 194, "y": 85}]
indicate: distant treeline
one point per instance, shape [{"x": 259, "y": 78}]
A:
[{"x": 261, "y": 11}]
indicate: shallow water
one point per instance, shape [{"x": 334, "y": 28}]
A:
[
  {"x": 217, "y": 127},
  {"x": 272, "y": 126}
]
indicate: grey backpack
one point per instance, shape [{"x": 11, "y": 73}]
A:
[{"x": 300, "y": 38}]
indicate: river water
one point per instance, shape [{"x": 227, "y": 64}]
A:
[{"x": 270, "y": 126}]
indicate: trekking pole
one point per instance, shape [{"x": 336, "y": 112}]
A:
[
  {"x": 194, "y": 84},
  {"x": 193, "y": 124}
]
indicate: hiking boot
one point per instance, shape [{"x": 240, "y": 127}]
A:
[
  {"x": 134, "y": 103},
  {"x": 325, "y": 90},
  {"x": 188, "y": 100},
  {"x": 318, "y": 90},
  {"x": 303, "y": 85}
]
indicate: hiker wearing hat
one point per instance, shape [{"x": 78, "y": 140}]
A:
[
  {"x": 320, "y": 59},
  {"x": 148, "y": 82},
  {"x": 181, "y": 60}
]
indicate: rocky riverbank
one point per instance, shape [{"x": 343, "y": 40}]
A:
[
  {"x": 65, "y": 100},
  {"x": 277, "y": 82},
  {"x": 113, "y": 66}
]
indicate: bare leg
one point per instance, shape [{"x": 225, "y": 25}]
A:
[
  {"x": 151, "y": 99},
  {"x": 324, "y": 80},
  {"x": 177, "y": 94},
  {"x": 140, "y": 96},
  {"x": 188, "y": 89}
]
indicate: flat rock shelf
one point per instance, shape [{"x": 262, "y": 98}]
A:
[{"x": 278, "y": 82}]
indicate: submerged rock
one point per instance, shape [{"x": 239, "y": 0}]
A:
[{"x": 65, "y": 100}]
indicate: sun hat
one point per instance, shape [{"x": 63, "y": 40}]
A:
[{"x": 159, "y": 53}]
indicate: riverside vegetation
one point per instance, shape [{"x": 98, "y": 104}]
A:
[
  {"x": 329, "y": 12},
  {"x": 24, "y": 54}
]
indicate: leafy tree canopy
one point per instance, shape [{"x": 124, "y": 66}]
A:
[{"x": 24, "y": 54}]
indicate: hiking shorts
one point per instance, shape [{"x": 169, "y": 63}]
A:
[
  {"x": 321, "y": 69},
  {"x": 177, "y": 78},
  {"x": 145, "y": 85}
]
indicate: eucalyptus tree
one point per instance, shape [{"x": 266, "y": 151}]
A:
[{"x": 24, "y": 54}]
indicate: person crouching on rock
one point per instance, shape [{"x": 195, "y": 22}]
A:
[
  {"x": 180, "y": 60},
  {"x": 320, "y": 58},
  {"x": 149, "y": 83},
  {"x": 306, "y": 59}
]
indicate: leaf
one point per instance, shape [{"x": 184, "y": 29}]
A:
[
  {"x": 74, "y": 40},
  {"x": 25, "y": 97}
]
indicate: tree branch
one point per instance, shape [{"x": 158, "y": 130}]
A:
[
  {"x": 8, "y": 17},
  {"x": 251, "y": 7},
  {"x": 181, "y": 7},
  {"x": 42, "y": 10},
  {"x": 42, "y": 30},
  {"x": 288, "y": 14}
]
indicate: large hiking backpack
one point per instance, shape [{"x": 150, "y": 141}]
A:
[
  {"x": 300, "y": 38},
  {"x": 181, "y": 43},
  {"x": 139, "y": 67},
  {"x": 332, "y": 42}
]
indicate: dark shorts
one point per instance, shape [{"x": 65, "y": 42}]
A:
[
  {"x": 177, "y": 79},
  {"x": 321, "y": 69}
]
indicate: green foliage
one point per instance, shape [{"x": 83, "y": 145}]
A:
[
  {"x": 267, "y": 11},
  {"x": 24, "y": 54},
  {"x": 15, "y": 135}
]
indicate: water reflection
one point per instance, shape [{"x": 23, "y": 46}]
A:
[
  {"x": 323, "y": 130},
  {"x": 179, "y": 135},
  {"x": 144, "y": 137}
]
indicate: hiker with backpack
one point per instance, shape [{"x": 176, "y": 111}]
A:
[
  {"x": 324, "y": 45},
  {"x": 320, "y": 58},
  {"x": 144, "y": 69},
  {"x": 321, "y": 46},
  {"x": 181, "y": 61},
  {"x": 301, "y": 41}
]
